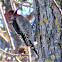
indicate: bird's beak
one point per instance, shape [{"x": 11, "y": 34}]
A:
[{"x": 16, "y": 10}]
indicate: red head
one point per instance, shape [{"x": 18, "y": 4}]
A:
[{"x": 11, "y": 13}]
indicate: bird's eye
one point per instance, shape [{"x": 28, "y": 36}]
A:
[{"x": 10, "y": 12}]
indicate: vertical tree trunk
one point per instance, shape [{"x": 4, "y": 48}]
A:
[{"x": 48, "y": 28}]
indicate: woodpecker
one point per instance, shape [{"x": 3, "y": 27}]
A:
[{"x": 22, "y": 27}]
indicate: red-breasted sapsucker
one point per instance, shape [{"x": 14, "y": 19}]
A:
[{"x": 22, "y": 27}]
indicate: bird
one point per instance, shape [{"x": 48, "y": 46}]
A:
[{"x": 22, "y": 27}]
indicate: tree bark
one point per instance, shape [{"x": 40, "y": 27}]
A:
[{"x": 48, "y": 29}]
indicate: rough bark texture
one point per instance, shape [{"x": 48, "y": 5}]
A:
[{"x": 48, "y": 29}]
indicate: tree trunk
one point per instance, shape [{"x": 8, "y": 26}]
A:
[{"x": 48, "y": 29}]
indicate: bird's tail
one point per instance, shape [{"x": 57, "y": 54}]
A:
[
  {"x": 28, "y": 43},
  {"x": 33, "y": 48}
]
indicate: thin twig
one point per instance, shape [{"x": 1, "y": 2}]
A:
[
  {"x": 12, "y": 54},
  {"x": 12, "y": 4},
  {"x": 17, "y": 59},
  {"x": 29, "y": 53},
  {"x": 23, "y": 4},
  {"x": 57, "y": 7}
]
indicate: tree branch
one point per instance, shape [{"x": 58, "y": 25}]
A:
[{"x": 6, "y": 26}]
